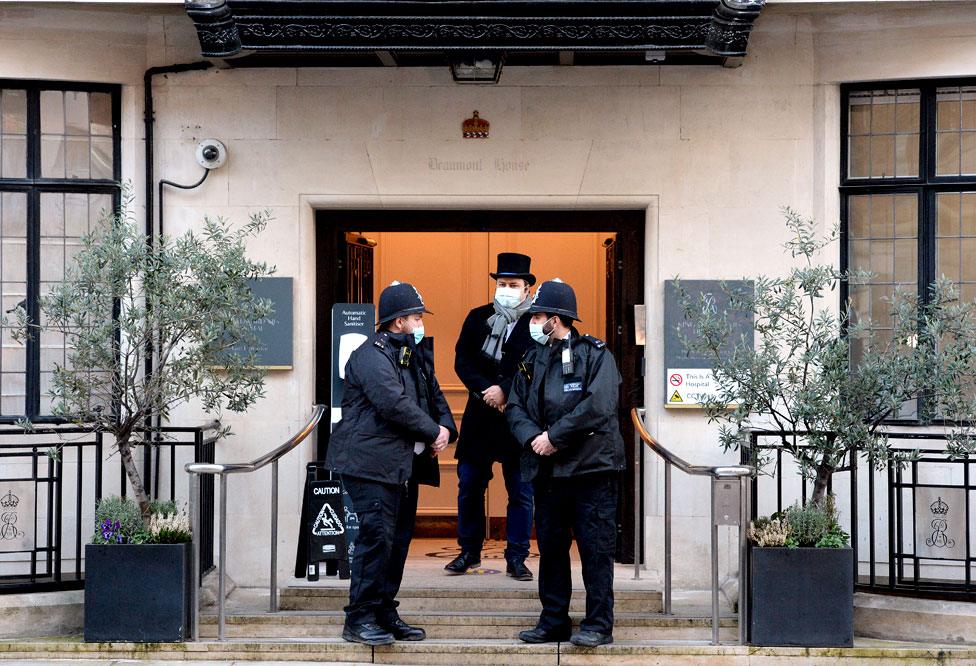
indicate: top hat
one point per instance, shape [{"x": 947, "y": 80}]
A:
[
  {"x": 399, "y": 300},
  {"x": 555, "y": 297},
  {"x": 514, "y": 265}
]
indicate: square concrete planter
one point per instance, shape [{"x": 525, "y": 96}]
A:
[
  {"x": 801, "y": 597},
  {"x": 138, "y": 593}
]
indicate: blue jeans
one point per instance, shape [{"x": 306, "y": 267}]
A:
[{"x": 473, "y": 478}]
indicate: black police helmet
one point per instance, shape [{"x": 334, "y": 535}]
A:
[
  {"x": 555, "y": 297},
  {"x": 399, "y": 300}
]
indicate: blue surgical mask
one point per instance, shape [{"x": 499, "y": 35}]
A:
[
  {"x": 537, "y": 331},
  {"x": 418, "y": 334},
  {"x": 508, "y": 297}
]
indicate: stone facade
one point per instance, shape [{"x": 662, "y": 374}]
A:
[{"x": 711, "y": 154}]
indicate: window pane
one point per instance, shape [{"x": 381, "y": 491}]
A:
[
  {"x": 13, "y": 160},
  {"x": 100, "y": 114},
  {"x": 947, "y": 258},
  {"x": 52, "y": 112},
  {"x": 77, "y": 157},
  {"x": 947, "y": 213},
  {"x": 858, "y": 217},
  {"x": 882, "y": 216},
  {"x": 947, "y": 112},
  {"x": 906, "y": 262},
  {"x": 906, "y": 155},
  {"x": 906, "y": 216},
  {"x": 955, "y": 250},
  {"x": 101, "y": 158},
  {"x": 76, "y": 112},
  {"x": 860, "y": 115},
  {"x": 13, "y": 111},
  {"x": 947, "y": 153},
  {"x": 859, "y": 160},
  {"x": 967, "y": 155},
  {"x": 52, "y": 156},
  {"x": 13, "y": 215},
  {"x": 883, "y": 156}
]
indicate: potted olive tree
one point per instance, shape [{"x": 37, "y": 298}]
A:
[
  {"x": 184, "y": 305},
  {"x": 828, "y": 406}
]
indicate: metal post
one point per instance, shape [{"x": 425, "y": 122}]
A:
[
  {"x": 714, "y": 528},
  {"x": 195, "y": 536},
  {"x": 667, "y": 537},
  {"x": 274, "y": 537},
  {"x": 222, "y": 562},
  {"x": 637, "y": 517},
  {"x": 744, "y": 483}
]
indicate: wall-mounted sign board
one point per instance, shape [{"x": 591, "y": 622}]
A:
[
  {"x": 688, "y": 377},
  {"x": 352, "y": 324}
]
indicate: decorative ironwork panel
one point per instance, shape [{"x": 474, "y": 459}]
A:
[
  {"x": 228, "y": 28},
  {"x": 17, "y": 511},
  {"x": 940, "y": 522}
]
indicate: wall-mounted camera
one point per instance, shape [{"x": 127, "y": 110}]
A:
[{"x": 211, "y": 153}]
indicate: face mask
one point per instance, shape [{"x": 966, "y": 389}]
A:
[
  {"x": 418, "y": 334},
  {"x": 508, "y": 297},
  {"x": 537, "y": 331}
]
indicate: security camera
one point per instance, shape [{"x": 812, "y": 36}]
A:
[{"x": 211, "y": 153}]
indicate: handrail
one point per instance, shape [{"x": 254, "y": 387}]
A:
[
  {"x": 718, "y": 473},
  {"x": 196, "y": 470}
]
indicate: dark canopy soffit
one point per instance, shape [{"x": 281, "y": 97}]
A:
[{"x": 228, "y": 28}]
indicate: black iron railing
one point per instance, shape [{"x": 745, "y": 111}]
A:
[
  {"x": 911, "y": 526},
  {"x": 47, "y": 501}
]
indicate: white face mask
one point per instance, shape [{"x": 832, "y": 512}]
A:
[
  {"x": 508, "y": 297},
  {"x": 537, "y": 331},
  {"x": 418, "y": 334}
]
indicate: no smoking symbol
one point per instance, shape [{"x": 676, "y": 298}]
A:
[{"x": 675, "y": 380}]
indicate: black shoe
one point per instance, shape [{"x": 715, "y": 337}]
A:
[
  {"x": 367, "y": 633},
  {"x": 462, "y": 563},
  {"x": 540, "y": 635},
  {"x": 518, "y": 571},
  {"x": 403, "y": 631},
  {"x": 590, "y": 639}
]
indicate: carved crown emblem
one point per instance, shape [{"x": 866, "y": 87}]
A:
[
  {"x": 939, "y": 507},
  {"x": 9, "y": 500},
  {"x": 475, "y": 127}
]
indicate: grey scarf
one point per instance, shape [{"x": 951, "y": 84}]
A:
[{"x": 498, "y": 322}]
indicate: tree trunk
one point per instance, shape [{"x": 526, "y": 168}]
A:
[
  {"x": 132, "y": 471},
  {"x": 824, "y": 472}
]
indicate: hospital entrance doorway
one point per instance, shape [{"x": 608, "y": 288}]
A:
[{"x": 448, "y": 256}]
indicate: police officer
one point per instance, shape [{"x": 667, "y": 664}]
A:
[
  {"x": 394, "y": 420},
  {"x": 563, "y": 410},
  {"x": 493, "y": 339}
]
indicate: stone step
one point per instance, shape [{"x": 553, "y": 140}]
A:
[
  {"x": 424, "y": 600},
  {"x": 460, "y": 625},
  {"x": 507, "y": 652}
]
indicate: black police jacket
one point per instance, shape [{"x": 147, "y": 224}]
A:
[
  {"x": 388, "y": 404},
  {"x": 484, "y": 431},
  {"x": 579, "y": 410}
]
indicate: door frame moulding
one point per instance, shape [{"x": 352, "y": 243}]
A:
[{"x": 310, "y": 205}]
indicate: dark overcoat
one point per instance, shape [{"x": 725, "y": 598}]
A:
[
  {"x": 579, "y": 410},
  {"x": 485, "y": 436},
  {"x": 386, "y": 408}
]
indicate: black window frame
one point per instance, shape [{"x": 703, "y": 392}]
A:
[
  {"x": 925, "y": 186},
  {"x": 34, "y": 186}
]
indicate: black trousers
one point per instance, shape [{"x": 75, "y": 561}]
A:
[
  {"x": 386, "y": 513},
  {"x": 584, "y": 507}
]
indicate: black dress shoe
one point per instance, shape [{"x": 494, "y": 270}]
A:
[
  {"x": 590, "y": 639},
  {"x": 540, "y": 635},
  {"x": 462, "y": 563},
  {"x": 518, "y": 571},
  {"x": 367, "y": 633},
  {"x": 403, "y": 631}
]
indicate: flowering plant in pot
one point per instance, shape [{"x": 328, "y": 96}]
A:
[{"x": 826, "y": 381}]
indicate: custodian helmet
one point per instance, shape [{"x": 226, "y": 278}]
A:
[
  {"x": 555, "y": 297},
  {"x": 399, "y": 300}
]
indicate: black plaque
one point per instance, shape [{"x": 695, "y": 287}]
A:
[
  {"x": 688, "y": 379},
  {"x": 273, "y": 336}
]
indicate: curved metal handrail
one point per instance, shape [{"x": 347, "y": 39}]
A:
[
  {"x": 196, "y": 470},
  {"x": 717, "y": 471},
  {"x": 267, "y": 458},
  {"x": 721, "y": 475}
]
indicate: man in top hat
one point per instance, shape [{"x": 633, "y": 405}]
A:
[
  {"x": 394, "y": 421},
  {"x": 493, "y": 339},
  {"x": 563, "y": 411}
]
